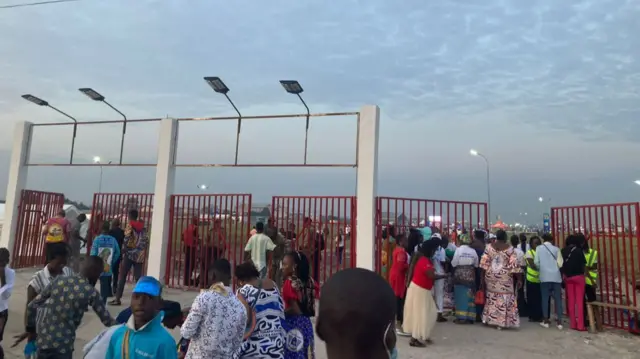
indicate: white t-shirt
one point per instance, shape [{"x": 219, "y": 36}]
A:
[
  {"x": 520, "y": 256},
  {"x": 465, "y": 256},
  {"x": 258, "y": 245},
  {"x": 340, "y": 240}
]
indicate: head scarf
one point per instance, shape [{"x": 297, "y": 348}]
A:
[
  {"x": 464, "y": 239},
  {"x": 426, "y": 233}
]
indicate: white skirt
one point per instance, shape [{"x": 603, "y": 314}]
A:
[{"x": 420, "y": 313}]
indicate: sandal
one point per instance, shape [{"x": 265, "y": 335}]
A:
[
  {"x": 416, "y": 343},
  {"x": 115, "y": 302}
]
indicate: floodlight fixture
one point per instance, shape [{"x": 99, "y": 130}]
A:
[
  {"x": 96, "y": 96},
  {"x": 475, "y": 153},
  {"x": 292, "y": 86},
  {"x": 216, "y": 84},
  {"x": 36, "y": 100}
]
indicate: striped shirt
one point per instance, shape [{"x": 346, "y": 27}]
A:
[{"x": 40, "y": 281}]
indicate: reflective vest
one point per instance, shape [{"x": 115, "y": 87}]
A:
[
  {"x": 533, "y": 275},
  {"x": 592, "y": 259}
]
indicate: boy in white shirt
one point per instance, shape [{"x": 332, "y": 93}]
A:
[{"x": 256, "y": 249}]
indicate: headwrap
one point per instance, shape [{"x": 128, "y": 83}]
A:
[
  {"x": 464, "y": 239},
  {"x": 426, "y": 233}
]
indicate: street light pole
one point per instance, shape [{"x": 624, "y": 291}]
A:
[
  {"x": 41, "y": 102},
  {"x": 96, "y": 160},
  {"x": 94, "y": 95},
  {"x": 293, "y": 87},
  {"x": 486, "y": 160},
  {"x": 218, "y": 86}
]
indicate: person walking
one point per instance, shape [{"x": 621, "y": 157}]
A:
[
  {"x": 465, "y": 261},
  {"x": 135, "y": 245},
  {"x": 256, "y": 250},
  {"x": 548, "y": 260},
  {"x": 107, "y": 248},
  {"x": 117, "y": 233},
  {"x": 56, "y": 230},
  {"x": 76, "y": 242},
  {"x": 591, "y": 279},
  {"x": 398, "y": 278}
]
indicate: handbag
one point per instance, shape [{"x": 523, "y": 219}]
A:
[{"x": 479, "y": 299}]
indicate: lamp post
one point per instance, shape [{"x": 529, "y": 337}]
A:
[
  {"x": 96, "y": 160},
  {"x": 293, "y": 87},
  {"x": 94, "y": 95},
  {"x": 218, "y": 86},
  {"x": 473, "y": 152},
  {"x": 203, "y": 187},
  {"x": 542, "y": 200},
  {"x": 41, "y": 102}
]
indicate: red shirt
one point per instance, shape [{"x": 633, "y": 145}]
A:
[
  {"x": 420, "y": 273},
  {"x": 189, "y": 235},
  {"x": 289, "y": 294}
]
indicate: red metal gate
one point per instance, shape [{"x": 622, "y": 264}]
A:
[
  {"x": 34, "y": 209},
  {"x": 203, "y": 228},
  {"x": 334, "y": 217},
  {"x": 406, "y": 213},
  {"x": 110, "y": 206},
  {"x": 611, "y": 230}
]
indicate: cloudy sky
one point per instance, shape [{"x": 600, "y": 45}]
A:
[{"x": 547, "y": 90}]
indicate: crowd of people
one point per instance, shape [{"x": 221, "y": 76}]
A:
[{"x": 490, "y": 278}]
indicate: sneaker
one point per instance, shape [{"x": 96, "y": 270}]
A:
[
  {"x": 559, "y": 326},
  {"x": 402, "y": 334},
  {"x": 544, "y": 325}
]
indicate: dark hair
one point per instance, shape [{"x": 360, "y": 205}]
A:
[
  {"x": 572, "y": 240},
  {"x": 59, "y": 250},
  {"x": 514, "y": 240},
  {"x": 62, "y": 213},
  {"x": 246, "y": 271},
  {"x": 428, "y": 248},
  {"x": 133, "y": 214},
  {"x": 547, "y": 237},
  {"x": 534, "y": 238},
  {"x": 302, "y": 265},
  {"x": 222, "y": 269},
  {"x": 95, "y": 262},
  {"x": 523, "y": 237},
  {"x": 259, "y": 227},
  {"x": 106, "y": 226},
  {"x": 415, "y": 238},
  {"x": 82, "y": 217},
  {"x": 501, "y": 235},
  {"x": 479, "y": 234},
  {"x": 4, "y": 253}
]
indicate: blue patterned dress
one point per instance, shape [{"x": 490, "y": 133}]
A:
[{"x": 267, "y": 339}]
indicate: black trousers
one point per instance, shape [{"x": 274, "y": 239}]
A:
[
  {"x": 534, "y": 301},
  {"x": 399, "y": 309},
  {"x": 52, "y": 354}
]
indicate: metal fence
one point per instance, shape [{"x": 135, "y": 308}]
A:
[
  {"x": 203, "y": 228},
  {"x": 405, "y": 213},
  {"x": 34, "y": 209},
  {"x": 111, "y": 206},
  {"x": 323, "y": 227},
  {"x": 612, "y": 230}
]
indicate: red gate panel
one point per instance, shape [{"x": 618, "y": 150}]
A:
[
  {"x": 34, "y": 209},
  {"x": 202, "y": 228},
  {"x": 611, "y": 229},
  {"x": 110, "y": 206},
  {"x": 333, "y": 217},
  {"x": 406, "y": 213}
]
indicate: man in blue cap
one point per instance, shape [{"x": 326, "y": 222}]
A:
[{"x": 143, "y": 336}]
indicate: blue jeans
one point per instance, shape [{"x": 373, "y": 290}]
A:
[{"x": 547, "y": 289}]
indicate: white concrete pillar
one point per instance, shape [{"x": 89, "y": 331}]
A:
[
  {"x": 367, "y": 185},
  {"x": 17, "y": 182},
  {"x": 165, "y": 176}
]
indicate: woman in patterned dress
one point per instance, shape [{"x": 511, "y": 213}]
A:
[
  {"x": 299, "y": 295},
  {"x": 267, "y": 339},
  {"x": 500, "y": 265}
]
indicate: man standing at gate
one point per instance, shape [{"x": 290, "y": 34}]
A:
[
  {"x": 135, "y": 245},
  {"x": 76, "y": 242},
  {"x": 275, "y": 271},
  {"x": 56, "y": 230}
]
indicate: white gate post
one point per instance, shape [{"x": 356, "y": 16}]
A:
[
  {"x": 16, "y": 183},
  {"x": 165, "y": 176},
  {"x": 367, "y": 185}
]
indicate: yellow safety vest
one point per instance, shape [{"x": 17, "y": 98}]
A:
[
  {"x": 533, "y": 275},
  {"x": 592, "y": 258}
]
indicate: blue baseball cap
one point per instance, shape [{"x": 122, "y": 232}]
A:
[{"x": 148, "y": 285}]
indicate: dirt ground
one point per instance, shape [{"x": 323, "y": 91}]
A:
[{"x": 451, "y": 341}]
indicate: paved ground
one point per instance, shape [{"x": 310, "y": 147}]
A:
[{"x": 451, "y": 341}]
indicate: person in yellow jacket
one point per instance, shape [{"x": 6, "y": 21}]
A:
[
  {"x": 534, "y": 295},
  {"x": 590, "y": 278}
]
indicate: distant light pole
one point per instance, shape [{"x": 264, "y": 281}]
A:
[
  {"x": 218, "y": 86},
  {"x": 203, "y": 187},
  {"x": 637, "y": 182},
  {"x": 96, "y": 160},
  {"x": 473, "y": 152},
  {"x": 41, "y": 102},
  {"x": 544, "y": 207},
  {"x": 293, "y": 87},
  {"x": 94, "y": 95}
]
